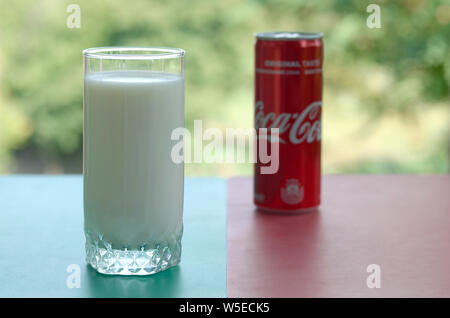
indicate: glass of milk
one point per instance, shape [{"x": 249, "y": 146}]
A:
[{"x": 133, "y": 191}]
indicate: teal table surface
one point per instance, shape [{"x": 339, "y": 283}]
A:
[{"x": 41, "y": 236}]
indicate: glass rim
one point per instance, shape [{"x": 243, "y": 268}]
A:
[{"x": 120, "y": 53}]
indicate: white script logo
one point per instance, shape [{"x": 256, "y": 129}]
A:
[{"x": 304, "y": 126}]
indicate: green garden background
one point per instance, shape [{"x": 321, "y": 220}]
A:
[{"x": 386, "y": 106}]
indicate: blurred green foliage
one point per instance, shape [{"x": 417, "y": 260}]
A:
[{"x": 386, "y": 90}]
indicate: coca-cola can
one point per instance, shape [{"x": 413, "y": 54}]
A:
[{"x": 288, "y": 96}]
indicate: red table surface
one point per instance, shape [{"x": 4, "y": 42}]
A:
[{"x": 400, "y": 222}]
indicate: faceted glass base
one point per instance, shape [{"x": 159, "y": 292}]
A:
[{"x": 145, "y": 261}]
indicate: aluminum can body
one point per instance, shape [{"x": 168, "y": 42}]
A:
[{"x": 288, "y": 96}]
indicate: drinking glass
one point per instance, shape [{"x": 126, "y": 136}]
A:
[{"x": 133, "y": 190}]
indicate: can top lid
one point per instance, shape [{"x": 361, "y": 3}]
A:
[{"x": 289, "y": 36}]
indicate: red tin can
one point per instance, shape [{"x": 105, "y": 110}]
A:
[{"x": 288, "y": 96}]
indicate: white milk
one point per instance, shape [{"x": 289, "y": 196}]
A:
[{"x": 133, "y": 192}]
